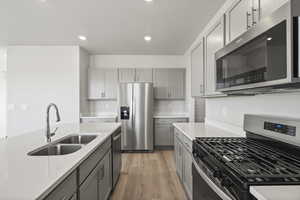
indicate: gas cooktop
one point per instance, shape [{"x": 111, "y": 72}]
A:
[{"x": 251, "y": 161}]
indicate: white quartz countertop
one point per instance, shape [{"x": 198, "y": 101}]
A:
[
  {"x": 24, "y": 177},
  {"x": 276, "y": 192},
  {"x": 193, "y": 130},
  {"x": 171, "y": 115}
]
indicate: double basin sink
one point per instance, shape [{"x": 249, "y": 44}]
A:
[{"x": 66, "y": 145}]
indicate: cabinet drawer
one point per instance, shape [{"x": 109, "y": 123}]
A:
[
  {"x": 65, "y": 190},
  {"x": 170, "y": 121},
  {"x": 90, "y": 163}
]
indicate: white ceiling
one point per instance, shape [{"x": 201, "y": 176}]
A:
[{"x": 111, "y": 26}]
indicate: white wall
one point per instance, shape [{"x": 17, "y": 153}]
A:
[
  {"x": 84, "y": 62},
  {"x": 228, "y": 112},
  {"x": 3, "y": 110},
  {"x": 37, "y": 76},
  {"x": 137, "y": 61}
]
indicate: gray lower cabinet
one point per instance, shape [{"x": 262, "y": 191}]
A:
[
  {"x": 164, "y": 132},
  {"x": 187, "y": 177},
  {"x": 105, "y": 177},
  {"x": 92, "y": 180},
  {"x": 183, "y": 161},
  {"x": 89, "y": 189}
]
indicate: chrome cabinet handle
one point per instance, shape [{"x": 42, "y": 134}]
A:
[
  {"x": 253, "y": 16},
  {"x": 247, "y": 20},
  {"x": 116, "y": 137}
]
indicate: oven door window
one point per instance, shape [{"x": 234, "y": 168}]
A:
[{"x": 260, "y": 60}]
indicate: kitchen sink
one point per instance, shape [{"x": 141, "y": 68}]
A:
[
  {"x": 55, "y": 150},
  {"x": 77, "y": 139}
]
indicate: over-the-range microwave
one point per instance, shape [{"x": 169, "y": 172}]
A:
[{"x": 266, "y": 56}]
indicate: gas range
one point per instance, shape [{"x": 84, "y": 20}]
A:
[{"x": 267, "y": 156}]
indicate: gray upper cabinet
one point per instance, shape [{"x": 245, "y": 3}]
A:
[
  {"x": 267, "y": 7},
  {"x": 103, "y": 83},
  {"x": 126, "y": 75},
  {"x": 238, "y": 19},
  {"x": 143, "y": 75},
  {"x": 214, "y": 41},
  {"x": 244, "y": 14},
  {"x": 160, "y": 80},
  {"x": 197, "y": 71},
  {"x": 169, "y": 83}
]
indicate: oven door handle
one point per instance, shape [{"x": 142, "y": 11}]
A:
[{"x": 211, "y": 184}]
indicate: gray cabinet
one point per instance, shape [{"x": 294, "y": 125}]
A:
[
  {"x": 105, "y": 177},
  {"x": 89, "y": 189},
  {"x": 163, "y": 135},
  {"x": 214, "y": 41},
  {"x": 238, "y": 18},
  {"x": 178, "y": 157},
  {"x": 126, "y": 75},
  {"x": 65, "y": 190},
  {"x": 183, "y": 161},
  {"x": 169, "y": 83},
  {"x": 197, "y": 70},
  {"x": 143, "y": 75},
  {"x": 187, "y": 177},
  {"x": 102, "y": 83},
  {"x": 164, "y": 131},
  {"x": 266, "y": 7}
]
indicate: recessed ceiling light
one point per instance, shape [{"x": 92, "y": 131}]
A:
[
  {"x": 147, "y": 38},
  {"x": 148, "y": 0},
  {"x": 81, "y": 37}
]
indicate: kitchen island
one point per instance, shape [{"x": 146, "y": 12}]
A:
[{"x": 24, "y": 177}]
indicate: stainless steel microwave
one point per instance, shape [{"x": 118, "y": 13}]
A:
[{"x": 266, "y": 55}]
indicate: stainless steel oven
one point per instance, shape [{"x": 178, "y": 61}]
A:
[
  {"x": 266, "y": 55},
  {"x": 206, "y": 187}
]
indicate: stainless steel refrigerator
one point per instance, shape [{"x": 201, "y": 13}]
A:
[{"x": 136, "y": 116}]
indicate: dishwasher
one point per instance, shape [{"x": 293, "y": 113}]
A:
[{"x": 116, "y": 157}]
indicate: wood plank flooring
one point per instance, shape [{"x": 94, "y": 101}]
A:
[{"x": 148, "y": 176}]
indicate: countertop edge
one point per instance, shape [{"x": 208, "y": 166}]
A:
[{"x": 256, "y": 194}]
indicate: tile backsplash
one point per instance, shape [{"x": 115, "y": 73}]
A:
[{"x": 160, "y": 106}]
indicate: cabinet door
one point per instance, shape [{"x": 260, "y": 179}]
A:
[
  {"x": 267, "y": 7},
  {"x": 197, "y": 71},
  {"x": 187, "y": 177},
  {"x": 105, "y": 177},
  {"x": 111, "y": 83},
  {"x": 180, "y": 160},
  {"x": 176, "y": 83},
  {"x": 160, "y": 82},
  {"x": 143, "y": 75},
  {"x": 96, "y": 83},
  {"x": 126, "y": 75},
  {"x": 163, "y": 135},
  {"x": 238, "y": 19},
  {"x": 214, "y": 42},
  {"x": 89, "y": 188}
]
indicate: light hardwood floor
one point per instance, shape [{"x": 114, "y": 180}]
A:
[{"x": 148, "y": 176}]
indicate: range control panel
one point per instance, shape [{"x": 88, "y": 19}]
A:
[{"x": 280, "y": 128}]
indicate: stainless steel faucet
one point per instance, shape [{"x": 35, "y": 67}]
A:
[{"x": 48, "y": 132}]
